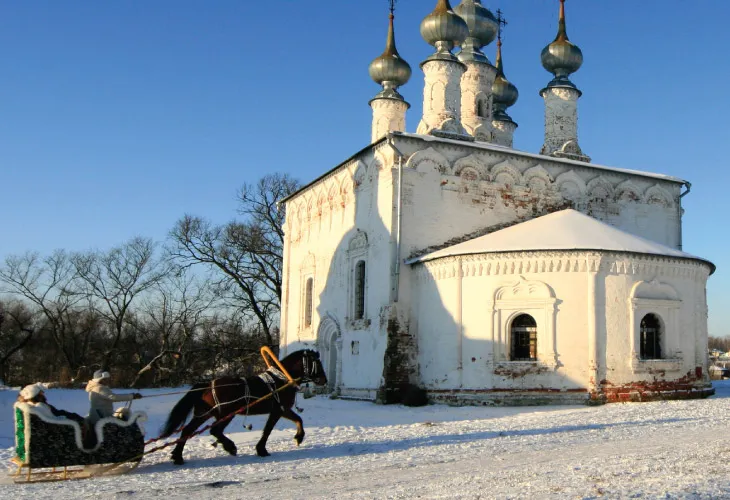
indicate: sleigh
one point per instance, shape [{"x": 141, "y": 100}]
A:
[{"x": 44, "y": 441}]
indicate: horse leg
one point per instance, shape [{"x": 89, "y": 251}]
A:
[
  {"x": 187, "y": 431},
  {"x": 274, "y": 417},
  {"x": 217, "y": 431},
  {"x": 290, "y": 415}
]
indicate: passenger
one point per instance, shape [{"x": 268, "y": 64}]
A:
[
  {"x": 101, "y": 397},
  {"x": 34, "y": 395}
]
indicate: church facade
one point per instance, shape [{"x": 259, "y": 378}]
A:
[{"x": 448, "y": 260}]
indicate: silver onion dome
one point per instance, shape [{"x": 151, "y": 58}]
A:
[
  {"x": 389, "y": 69},
  {"x": 504, "y": 93},
  {"x": 444, "y": 29},
  {"x": 561, "y": 57},
  {"x": 483, "y": 29}
]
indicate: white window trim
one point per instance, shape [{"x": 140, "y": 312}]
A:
[
  {"x": 542, "y": 309},
  {"x": 303, "y": 312},
  {"x": 358, "y": 251},
  {"x": 668, "y": 312},
  {"x": 306, "y": 271}
]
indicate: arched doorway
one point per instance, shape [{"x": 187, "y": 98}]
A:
[{"x": 329, "y": 343}]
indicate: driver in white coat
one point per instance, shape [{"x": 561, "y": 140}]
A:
[{"x": 101, "y": 397}]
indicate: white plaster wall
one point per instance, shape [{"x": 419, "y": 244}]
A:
[
  {"x": 476, "y": 88},
  {"x": 451, "y": 191},
  {"x": 321, "y": 223},
  {"x": 388, "y": 114},
  {"x": 442, "y": 97},
  {"x": 503, "y": 132},
  {"x": 462, "y": 323},
  {"x": 561, "y": 118},
  {"x": 462, "y": 338},
  {"x": 685, "y": 321}
]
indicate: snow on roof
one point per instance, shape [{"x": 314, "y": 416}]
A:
[{"x": 564, "y": 230}]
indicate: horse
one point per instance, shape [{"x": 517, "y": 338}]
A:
[{"x": 222, "y": 398}]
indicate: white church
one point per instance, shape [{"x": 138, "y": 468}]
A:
[{"x": 448, "y": 260}]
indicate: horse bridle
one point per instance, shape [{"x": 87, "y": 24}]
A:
[{"x": 309, "y": 372}]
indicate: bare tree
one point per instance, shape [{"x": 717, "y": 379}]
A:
[
  {"x": 112, "y": 280},
  {"x": 246, "y": 255},
  {"x": 171, "y": 321},
  {"x": 48, "y": 283},
  {"x": 16, "y": 330}
]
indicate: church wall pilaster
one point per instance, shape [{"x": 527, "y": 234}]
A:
[
  {"x": 561, "y": 123},
  {"x": 388, "y": 115},
  {"x": 476, "y": 100},
  {"x": 442, "y": 98}
]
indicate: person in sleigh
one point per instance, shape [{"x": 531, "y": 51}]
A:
[
  {"x": 101, "y": 397},
  {"x": 35, "y": 395}
]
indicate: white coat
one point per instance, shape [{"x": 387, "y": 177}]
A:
[{"x": 102, "y": 399}]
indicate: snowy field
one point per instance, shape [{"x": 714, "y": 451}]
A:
[{"x": 677, "y": 449}]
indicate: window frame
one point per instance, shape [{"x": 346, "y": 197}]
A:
[
  {"x": 357, "y": 252},
  {"x": 535, "y": 299},
  {"x": 661, "y": 300},
  {"x": 531, "y": 334},
  {"x": 308, "y": 301}
]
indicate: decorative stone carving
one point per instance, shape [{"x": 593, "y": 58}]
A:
[
  {"x": 537, "y": 179},
  {"x": 656, "y": 195},
  {"x": 388, "y": 115},
  {"x": 476, "y": 100},
  {"x": 442, "y": 99},
  {"x": 561, "y": 124},
  {"x": 475, "y": 162},
  {"x": 627, "y": 191},
  {"x": 570, "y": 185},
  {"x": 506, "y": 174},
  {"x": 531, "y": 297},
  {"x": 429, "y": 159}
]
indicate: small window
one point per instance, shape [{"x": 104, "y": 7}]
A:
[
  {"x": 360, "y": 290},
  {"x": 523, "y": 339},
  {"x": 650, "y": 340},
  {"x": 308, "y": 291},
  {"x": 481, "y": 110}
]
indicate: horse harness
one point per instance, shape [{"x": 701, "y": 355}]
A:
[{"x": 269, "y": 378}]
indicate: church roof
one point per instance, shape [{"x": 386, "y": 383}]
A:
[{"x": 564, "y": 230}]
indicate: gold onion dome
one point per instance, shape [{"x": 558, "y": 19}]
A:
[
  {"x": 561, "y": 57},
  {"x": 389, "y": 69},
  {"x": 483, "y": 29},
  {"x": 444, "y": 29},
  {"x": 504, "y": 93}
]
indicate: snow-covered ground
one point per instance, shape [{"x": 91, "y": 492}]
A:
[{"x": 677, "y": 449}]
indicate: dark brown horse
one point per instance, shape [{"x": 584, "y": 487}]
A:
[{"x": 223, "y": 397}]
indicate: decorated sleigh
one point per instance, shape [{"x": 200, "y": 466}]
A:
[{"x": 44, "y": 441}]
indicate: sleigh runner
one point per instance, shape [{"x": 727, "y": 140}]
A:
[{"x": 44, "y": 441}]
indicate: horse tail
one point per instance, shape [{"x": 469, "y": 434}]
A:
[{"x": 182, "y": 409}]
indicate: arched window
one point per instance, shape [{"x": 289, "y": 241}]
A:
[
  {"x": 482, "y": 109},
  {"x": 360, "y": 290},
  {"x": 650, "y": 337},
  {"x": 523, "y": 339},
  {"x": 308, "y": 292}
]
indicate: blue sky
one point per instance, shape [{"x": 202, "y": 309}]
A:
[{"x": 116, "y": 118}]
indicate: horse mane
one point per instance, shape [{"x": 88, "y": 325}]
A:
[{"x": 300, "y": 353}]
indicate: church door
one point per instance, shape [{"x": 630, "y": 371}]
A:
[{"x": 329, "y": 343}]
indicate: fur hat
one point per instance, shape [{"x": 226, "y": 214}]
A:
[
  {"x": 100, "y": 375},
  {"x": 31, "y": 391}
]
